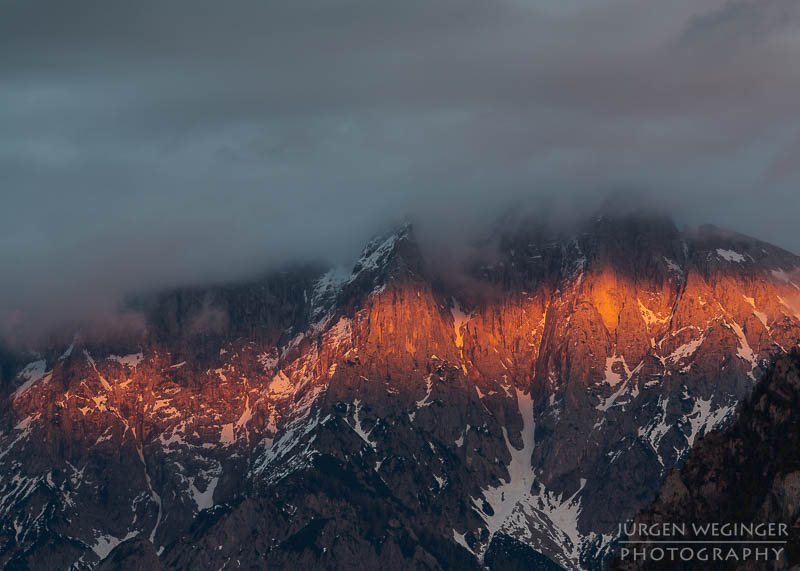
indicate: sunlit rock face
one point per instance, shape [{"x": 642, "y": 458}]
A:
[{"x": 384, "y": 416}]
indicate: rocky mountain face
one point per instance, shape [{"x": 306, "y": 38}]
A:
[
  {"x": 749, "y": 472},
  {"x": 386, "y": 417}
]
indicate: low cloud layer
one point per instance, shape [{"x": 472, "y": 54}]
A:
[{"x": 148, "y": 144}]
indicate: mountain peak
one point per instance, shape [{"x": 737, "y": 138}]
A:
[{"x": 299, "y": 407}]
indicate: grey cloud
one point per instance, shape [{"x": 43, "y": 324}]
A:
[{"x": 151, "y": 144}]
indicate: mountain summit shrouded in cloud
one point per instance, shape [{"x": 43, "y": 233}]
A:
[
  {"x": 146, "y": 144},
  {"x": 351, "y": 284},
  {"x": 379, "y": 418}
]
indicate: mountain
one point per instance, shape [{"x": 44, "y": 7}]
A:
[
  {"x": 747, "y": 473},
  {"x": 394, "y": 415}
]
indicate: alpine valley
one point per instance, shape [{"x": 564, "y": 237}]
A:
[{"x": 386, "y": 417}]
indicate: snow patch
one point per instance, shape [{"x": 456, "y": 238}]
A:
[
  {"x": 327, "y": 288},
  {"x": 730, "y": 256},
  {"x": 205, "y": 499},
  {"x": 702, "y": 419},
  {"x": 505, "y": 497},
  {"x": 655, "y": 430},
  {"x": 153, "y": 494},
  {"x": 460, "y": 440},
  {"x": 103, "y": 380},
  {"x": 32, "y": 373},
  {"x": 428, "y": 387},
  {"x": 744, "y": 351},
  {"x": 226, "y": 436},
  {"x": 68, "y": 351},
  {"x": 247, "y": 414},
  {"x": 104, "y": 544},
  {"x": 378, "y": 250},
  {"x": 762, "y": 317},
  {"x": 650, "y": 318},
  {"x": 686, "y": 350},
  {"x": 459, "y": 538},
  {"x": 132, "y": 360},
  {"x": 280, "y": 385},
  {"x": 611, "y": 400},
  {"x": 518, "y": 511},
  {"x": 339, "y": 333},
  {"x": 612, "y": 378},
  {"x": 356, "y": 426}
]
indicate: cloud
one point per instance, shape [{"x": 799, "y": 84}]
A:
[{"x": 151, "y": 144}]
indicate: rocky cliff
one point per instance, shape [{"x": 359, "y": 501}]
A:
[
  {"x": 384, "y": 416},
  {"x": 747, "y": 473}
]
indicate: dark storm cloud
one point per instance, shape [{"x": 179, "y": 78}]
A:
[{"x": 147, "y": 144}]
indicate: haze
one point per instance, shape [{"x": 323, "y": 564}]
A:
[{"x": 151, "y": 144}]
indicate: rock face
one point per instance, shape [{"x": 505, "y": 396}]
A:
[
  {"x": 747, "y": 473},
  {"x": 386, "y": 418}
]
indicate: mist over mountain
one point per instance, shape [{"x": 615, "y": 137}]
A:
[
  {"x": 351, "y": 284},
  {"x": 146, "y": 147}
]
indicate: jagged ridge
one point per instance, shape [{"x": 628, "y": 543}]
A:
[{"x": 543, "y": 401}]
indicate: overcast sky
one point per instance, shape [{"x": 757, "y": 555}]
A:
[{"x": 145, "y": 144}]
